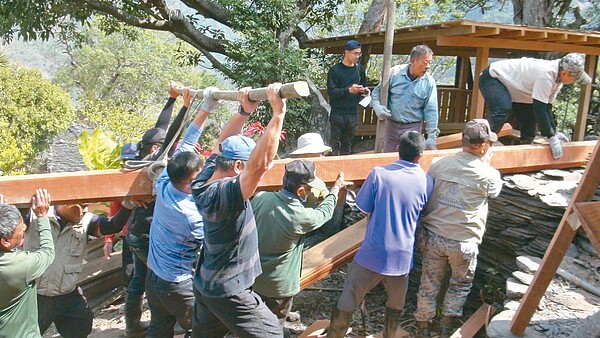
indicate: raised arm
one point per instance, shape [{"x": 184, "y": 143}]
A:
[
  {"x": 266, "y": 148},
  {"x": 235, "y": 124},
  {"x": 38, "y": 261}
]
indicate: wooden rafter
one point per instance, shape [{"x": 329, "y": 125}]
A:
[{"x": 108, "y": 185}]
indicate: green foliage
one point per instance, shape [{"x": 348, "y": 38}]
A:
[
  {"x": 121, "y": 79},
  {"x": 32, "y": 112},
  {"x": 99, "y": 150}
]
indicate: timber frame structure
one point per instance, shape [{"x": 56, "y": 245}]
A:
[
  {"x": 481, "y": 40},
  {"x": 320, "y": 260}
]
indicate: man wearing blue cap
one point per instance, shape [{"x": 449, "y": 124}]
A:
[
  {"x": 229, "y": 261},
  {"x": 346, "y": 84}
]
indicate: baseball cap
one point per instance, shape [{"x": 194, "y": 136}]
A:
[
  {"x": 129, "y": 151},
  {"x": 573, "y": 64},
  {"x": 478, "y": 131},
  {"x": 352, "y": 44},
  {"x": 237, "y": 147},
  {"x": 311, "y": 143},
  {"x": 154, "y": 135},
  {"x": 303, "y": 172}
]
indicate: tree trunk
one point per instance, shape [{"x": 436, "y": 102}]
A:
[
  {"x": 532, "y": 13},
  {"x": 371, "y": 23}
]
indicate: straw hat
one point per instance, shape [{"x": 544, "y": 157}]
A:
[{"x": 311, "y": 143}]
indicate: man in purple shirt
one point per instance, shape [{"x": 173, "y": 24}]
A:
[{"x": 393, "y": 197}]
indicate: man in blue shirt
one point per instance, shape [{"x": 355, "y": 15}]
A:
[
  {"x": 176, "y": 232},
  {"x": 412, "y": 98},
  {"x": 393, "y": 196},
  {"x": 229, "y": 261}
]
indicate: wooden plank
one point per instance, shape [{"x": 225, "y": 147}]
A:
[
  {"x": 480, "y": 318},
  {"x": 481, "y": 62},
  {"x": 99, "y": 267},
  {"x": 320, "y": 260},
  {"x": 589, "y": 216},
  {"x": 107, "y": 185},
  {"x": 558, "y": 247},
  {"x": 515, "y": 44},
  {"x": 585, "y": 95},
  {"x": 316, "y": 330},
  {"x": 455, "y": 140}
]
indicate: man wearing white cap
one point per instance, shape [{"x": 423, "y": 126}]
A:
[
  {"x": 453, "y": 224},
  {"x": 310, "y": 145},
  {"x": 527, "y": 87}
]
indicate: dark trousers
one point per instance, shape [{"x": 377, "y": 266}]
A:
[
  {"x": 245, "y": 315},
  {"x": 280, "y": 307},
  {"x": 497, "y": 99},
  {"x": 126, "y": 262},
  {"x": 343, "y": 129},
  {"x": 70, "y": 313},
  {"x": 169, "y": 303},
  {"x": 139, "y": 247}
]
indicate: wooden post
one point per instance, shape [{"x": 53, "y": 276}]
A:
[
  {"x": 477, "y": 104},
  {"x": 385, "y": 72},
  {"x": 585, "y": 95},
  {"x": 558, "y": 247}
]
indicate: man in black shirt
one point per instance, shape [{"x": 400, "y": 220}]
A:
[{"x": 346, "y": 84}]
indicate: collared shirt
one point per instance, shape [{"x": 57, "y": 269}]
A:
[
  {"x": 229, "y": 261},
  {"x": 70, "y": 242},
  {"x": 394, "y": 196},
  {"x": 527, "y": 79},
  {"x": 177, "y": 231},
  {"x": 18, "y": 298},
  {"x": 411, "y": 101},
  {"x": 282, "y": 221},
  {"x": 459, "y": 204}
]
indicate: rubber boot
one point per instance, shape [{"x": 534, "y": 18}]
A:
[
  {"x": 447, "y": 326},
  {"x": 340, "y": 322},
  {"x": 390, "y": 322},
  {"x": 133, "y": 315},
  {"x": 423, "y": 330}
]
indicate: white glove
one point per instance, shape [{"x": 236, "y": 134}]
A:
[
  {"x": 430, "y": 143},
  {"x": 209, "y": 103},
  {"x": 556, "y": 144},
  {"x": 381, "y": 111}
]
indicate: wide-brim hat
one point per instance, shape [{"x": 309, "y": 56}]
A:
[{"x": 311, "y": 143}]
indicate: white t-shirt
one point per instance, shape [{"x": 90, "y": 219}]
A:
[{"x": 527, "y": 79}]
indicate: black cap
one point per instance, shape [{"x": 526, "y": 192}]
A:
[
  {"x": 154, "y": 135},
  {"x": 303, "y": 172},
  {"x": 352, "y": 44}
]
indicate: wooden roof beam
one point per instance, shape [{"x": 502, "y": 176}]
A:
[
  {"x": 512, "y": 44},
  {"x": 552, "y": 37},
  {"x": 486, "y": 31},
  {"x": 108, "y": 185}
]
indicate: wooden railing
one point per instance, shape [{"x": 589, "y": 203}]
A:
[{"x": 453, "y": 105}]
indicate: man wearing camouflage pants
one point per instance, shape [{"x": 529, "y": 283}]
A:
[{"x": 453, "y": 225}]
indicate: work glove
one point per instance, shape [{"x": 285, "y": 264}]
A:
[
  {"x": 209, "y": 103},
  {"x": 430, "y": 143},
  {"x": 556, "y": 144},
  {"x": 381, "y": 111}
]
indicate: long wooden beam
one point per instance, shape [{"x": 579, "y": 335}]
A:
[{"x": 107, "y": 185}]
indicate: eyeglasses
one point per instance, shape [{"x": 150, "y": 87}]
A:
[{"x": 357, "y": 54}]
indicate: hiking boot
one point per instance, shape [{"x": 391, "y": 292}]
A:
[
  {"x": 134, "y": 328},
  {"x": 423, "y": 330},
  {"x": 340, "y": 322},
  {"x": 390, "y": 322}
]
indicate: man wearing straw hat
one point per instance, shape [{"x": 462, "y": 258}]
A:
[{"x": 310, "y": 145}]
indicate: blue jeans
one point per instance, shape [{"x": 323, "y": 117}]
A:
[
  {"x": 497, "y": 99},
  {"x": 139, "y": 246}
]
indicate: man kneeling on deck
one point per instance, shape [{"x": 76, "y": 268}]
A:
[
  {"x": 393, "y": 197},
  {"x": 282, "y": 220}
]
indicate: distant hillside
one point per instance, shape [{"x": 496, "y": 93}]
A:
[{"x": 46, "y": 56}]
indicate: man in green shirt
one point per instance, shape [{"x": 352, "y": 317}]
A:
[
  {"x": 19, "y": 269},
  {"x": 282, "y": 220}
]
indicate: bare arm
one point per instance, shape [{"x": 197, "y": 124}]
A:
[{"x": 266, "y": 148}]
